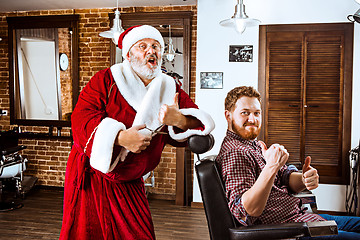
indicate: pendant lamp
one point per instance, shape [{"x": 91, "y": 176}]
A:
[
  {"x": 240, "y": 21},
  {"x": 356, "y": 16},
  {"x": 170, "y": 54},
  {"x": 116, "y": 30}
]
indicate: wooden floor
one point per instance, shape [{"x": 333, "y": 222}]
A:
[{"x": 41, "y": 215}]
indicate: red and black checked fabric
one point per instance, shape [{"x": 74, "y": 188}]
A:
[{"x": 241, "y": 162}]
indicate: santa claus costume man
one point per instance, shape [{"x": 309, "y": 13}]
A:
[{"x": 115, "y": 143}]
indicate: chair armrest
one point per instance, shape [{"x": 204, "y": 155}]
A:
[
  {"x": 307, "y": 197},
  {"x": 322, "y": 228},
  {"x": 284, "y": 230}
]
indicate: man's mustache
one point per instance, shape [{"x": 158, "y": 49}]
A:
[
  {"x": 151, "y": 56},
  {"x": 251, "y": 124}
]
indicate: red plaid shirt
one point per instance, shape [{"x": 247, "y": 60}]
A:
[{"x": 241, "y": 162}]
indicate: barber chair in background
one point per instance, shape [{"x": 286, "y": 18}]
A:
[
  {"x": 13, "y": 184},
  {"x": 149, "y": 183},
  {"x": 221, "y": 223}
]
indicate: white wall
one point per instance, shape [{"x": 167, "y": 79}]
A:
[{"x": 212, "y": 56}]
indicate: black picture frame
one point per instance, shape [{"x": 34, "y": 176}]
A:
[
  {"x": 241, "y": 53},
  {"x": 211, "y": 80}
]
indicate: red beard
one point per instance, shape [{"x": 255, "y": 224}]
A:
[{"x": 248, "y": 134}]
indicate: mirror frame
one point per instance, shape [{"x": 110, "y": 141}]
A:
[
  {"x": 28, "y": 22},
  {"x": 184, "y": 168}
]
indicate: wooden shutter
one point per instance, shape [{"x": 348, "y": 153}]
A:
[
  {"x": 305, "y": 78},
  {"x": 323, "y": 101},
  {"x": 283, "y": 121}
]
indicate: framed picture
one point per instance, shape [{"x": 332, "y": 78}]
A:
[
  {"x": 211, "y": 80},
  {"x": 241, "y": 53}
]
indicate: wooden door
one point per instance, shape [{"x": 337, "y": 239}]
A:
[{"x": 305, "y": 81}]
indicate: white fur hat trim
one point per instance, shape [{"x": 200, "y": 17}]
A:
[{"x": 138, "y": 33}]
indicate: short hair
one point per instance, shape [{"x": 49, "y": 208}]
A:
[{"x": 238, "y": 92}]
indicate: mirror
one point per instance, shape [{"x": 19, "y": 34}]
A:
[{"x": 43, "y": 62}]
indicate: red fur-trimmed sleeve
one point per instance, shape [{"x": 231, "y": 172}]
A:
[
  {"x": 189, "y": 108},
  {"x": 90, "y": 110}
]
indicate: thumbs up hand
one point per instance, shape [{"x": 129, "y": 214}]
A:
[
  {"x": 170, "y": 114},
  {"x": 310, "y": 175}
]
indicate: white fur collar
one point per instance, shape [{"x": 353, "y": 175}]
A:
[{"x": 146, "y": 100}]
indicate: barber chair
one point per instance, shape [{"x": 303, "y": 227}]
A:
[
  {"x": 149, "y": 183},
  {"x": 222, "y": 224},
  {"x": 151, "y": 176},
  {"x": 12, "y": 166}
]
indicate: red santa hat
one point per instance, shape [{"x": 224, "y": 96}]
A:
[{"x": 133, "y": 34}]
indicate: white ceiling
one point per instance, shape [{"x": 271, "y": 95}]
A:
[{"x": 29, "y": 5}]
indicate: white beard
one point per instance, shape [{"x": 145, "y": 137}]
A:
[{"x": 141, "y": 69}]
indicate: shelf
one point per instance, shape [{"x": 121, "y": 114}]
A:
[{"x": 42, "y": 136}]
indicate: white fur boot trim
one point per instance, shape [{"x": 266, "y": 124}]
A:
[
  {"x": 204, "y": 118},
  {"x": 103, "y": 144}
]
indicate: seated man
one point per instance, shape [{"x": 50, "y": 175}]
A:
[{"x": 258, "y": 183}]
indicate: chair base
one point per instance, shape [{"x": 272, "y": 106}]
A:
[
  {"x": 9, "y": 206},
  {"x": 28, "y": 184},
  {"x": 11, "y": 194}
]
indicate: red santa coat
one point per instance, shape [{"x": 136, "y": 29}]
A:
[{"x": 110, "y": 202}]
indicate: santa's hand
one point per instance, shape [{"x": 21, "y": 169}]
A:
[
  {"x": 170, "y": 114},
  {"x": 310, "y": 175},
  {"x": 275, "y": 156},
  {"x": 132, "y": 140}
]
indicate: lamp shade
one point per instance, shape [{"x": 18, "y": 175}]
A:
[
  {"x": 170, "y": 54},
  {"x": 355, "y": 17},
  {"x": 240, "y": 21},
  {"x": 116, "y": 30}
]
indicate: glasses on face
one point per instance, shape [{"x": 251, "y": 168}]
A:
[
  {"x": 144, "y": 47},
  {"x": 156, "y": 131}
]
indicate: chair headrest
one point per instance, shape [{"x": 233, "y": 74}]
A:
[{"x": 201, "y": 144}]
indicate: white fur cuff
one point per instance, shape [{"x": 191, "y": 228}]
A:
[
  {"x": 102, "y": 148},
  {"x": 205, "y": 119}
]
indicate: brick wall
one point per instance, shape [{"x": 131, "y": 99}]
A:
[{"x": 47, "y": 158}]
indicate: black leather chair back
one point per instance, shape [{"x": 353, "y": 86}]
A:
[
  {"x": 8, "y": 139},
  {"x": 201, "y": 144},
  {"x": 218, "y": 214},
  {"x": 222, "y": 224}
]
